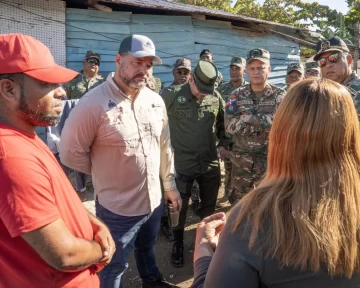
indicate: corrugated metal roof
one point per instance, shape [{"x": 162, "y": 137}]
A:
[{"x": 187, "y": 8}]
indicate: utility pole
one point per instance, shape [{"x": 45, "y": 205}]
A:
[{"x": 357, "y": 47}]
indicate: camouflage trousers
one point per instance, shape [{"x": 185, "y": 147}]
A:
[{"x": 247, "y": 170}]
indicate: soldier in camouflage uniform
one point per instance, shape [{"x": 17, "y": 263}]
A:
[
  {"x": 237, "y": 70},
  {"x": 87, "y": 79},
  {"x": 154, "y": 84},
  {"x": 181, "y": 72},
  {"x": 206, "y": 55},
  {"x": 248, "y": 118},
  {"x": 335, "y": 63},
  {"x": 294, "y": 73},
  {"x": 312, "y": 70},
  {"x": 196, "y": 120}
]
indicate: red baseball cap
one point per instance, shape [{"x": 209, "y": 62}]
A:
[{"x": 24, "y": 54}]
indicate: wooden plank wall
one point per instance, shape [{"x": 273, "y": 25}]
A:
[{"x": 174, "y": 37}]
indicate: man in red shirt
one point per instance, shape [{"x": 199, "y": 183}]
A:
[{"x": 47, "y": 239}]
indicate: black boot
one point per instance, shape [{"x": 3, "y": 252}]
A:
[
  {"x": 166, "y": 229},
  {"x": 158, "y": 283},
  {"x": 177, "y": 255}
]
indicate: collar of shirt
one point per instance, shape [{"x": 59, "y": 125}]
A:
[
  {"x": 352, "y": 76},
  {"x": 110, "y": 79}
]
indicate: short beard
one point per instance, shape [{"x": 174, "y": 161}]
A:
[
  {"x": 132, "y": 83},
  {"x": 32, "y": 117}
]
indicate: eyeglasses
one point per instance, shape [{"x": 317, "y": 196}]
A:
[
  {"x": 333, "y": 58},
  {"x": 93, "y": 61},
  {"x": 312, "y": 73}
]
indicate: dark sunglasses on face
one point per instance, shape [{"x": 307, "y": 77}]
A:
[
  {"x": 93, "y": 61},
  {"x": 333, "y": 58},
  {"x": 312, "y": 73}
]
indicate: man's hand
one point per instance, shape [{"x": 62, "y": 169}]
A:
[
  {"x": 222, "y": 152},
  {"x": 174, "y": 197},
  {"x": 103, "y": 237}
]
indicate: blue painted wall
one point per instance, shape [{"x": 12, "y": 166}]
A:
[{"x": 174, "y": 37}]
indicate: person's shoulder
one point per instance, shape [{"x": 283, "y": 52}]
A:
[
  {"x": 175, "y": 89},
  {"x": 224, "y": 86},
  {"x": 277, "y": 90}
]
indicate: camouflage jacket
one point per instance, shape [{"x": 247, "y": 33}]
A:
[
  {"x": 226, "y": 89},
  {"x": 352, "y": 83},
  {"x": 248, "y": 118},
  {"x": 154, "y": 84},
  {"x": 195, "y": 126},
  {"x": 77, "y": 87},
  {"x": 219, "y": 80}
]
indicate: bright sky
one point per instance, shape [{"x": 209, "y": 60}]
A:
[{"x": 339, "y": 5}]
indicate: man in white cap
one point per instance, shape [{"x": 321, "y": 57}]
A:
[{"x": 119, "y": 134}]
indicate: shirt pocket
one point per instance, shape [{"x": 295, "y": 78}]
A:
[
  {"x": 157, "y": 118},
  {"x": 267, "y": 107},
  {"x": 119, "y": 128}
]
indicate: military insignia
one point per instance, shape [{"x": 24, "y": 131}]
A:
[
  {"x": 111, "y": 104},
  {"x": 255, "y": 53},
  {"x": 247, "y": 93},
  {"x": 181, "y": 99}
]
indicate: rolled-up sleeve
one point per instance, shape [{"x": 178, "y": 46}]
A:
[
  {"x": 77, "y": 137},
  {"x": 167, "y": 168}
]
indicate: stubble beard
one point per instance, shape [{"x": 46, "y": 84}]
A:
[
  {"x": 131, "y": 82},
  {"x": 32, "y": 117}
]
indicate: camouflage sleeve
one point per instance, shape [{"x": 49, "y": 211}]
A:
[
  {"x": 224, "y": 140},
  {"x": 235, "y": 121},
  {"x": 264, "y": 120}
]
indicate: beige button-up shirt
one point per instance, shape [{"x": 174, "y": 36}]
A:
[{"x": 124, "y": 145}]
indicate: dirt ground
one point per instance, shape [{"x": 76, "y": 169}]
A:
[{"x": 181, "y": 277}]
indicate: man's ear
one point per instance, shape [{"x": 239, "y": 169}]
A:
[
  {"x": 349, "y": 59},
  {"x": 9, "y": 90},
  {"x": 269, "y": 68}
]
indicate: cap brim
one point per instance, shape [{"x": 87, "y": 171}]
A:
[
  {"x": 317, "y": 56},
  {"x": 183, "y": 67},
  {"x": 93, "y": 57},
  {"x": 205, "y": 89},
  {"x": 264, "y": 60},
  {"x": 302, "y": 72},
  {"x": 53, "y": 74},
  {"x": 141, "y": 54},
  {"x": 238, "y": 65}
]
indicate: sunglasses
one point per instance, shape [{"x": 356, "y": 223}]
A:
[
  {"x": 333, "y": 58},
  {"x": 312, "y": 73},
  {"x": 93, "y": 61}
]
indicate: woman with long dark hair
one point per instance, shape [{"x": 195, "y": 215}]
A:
[{"x": 300, "y": 227}]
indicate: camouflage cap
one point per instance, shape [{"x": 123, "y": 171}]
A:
[
  {"x": 332, "y": 44},
  {"x": 311, "y": 65},
  {"x": 183, "y": 63},
  {"x": 205, "y": 75},
  {"x": 295, "y": 66},
  {"x": 258, "y": 54},
  {"x": 92, "y": 54},
  {"x": 238, "y": 61}
]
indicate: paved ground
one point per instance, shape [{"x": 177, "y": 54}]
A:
[{"x": 182, "y": 277}]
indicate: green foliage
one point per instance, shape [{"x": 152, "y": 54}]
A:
[
  {"x": 224, "y": 5},
  {"x": 295, "y": 13}
]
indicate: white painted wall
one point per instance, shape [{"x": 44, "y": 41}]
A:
[{"x": 42, "y": 19}]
